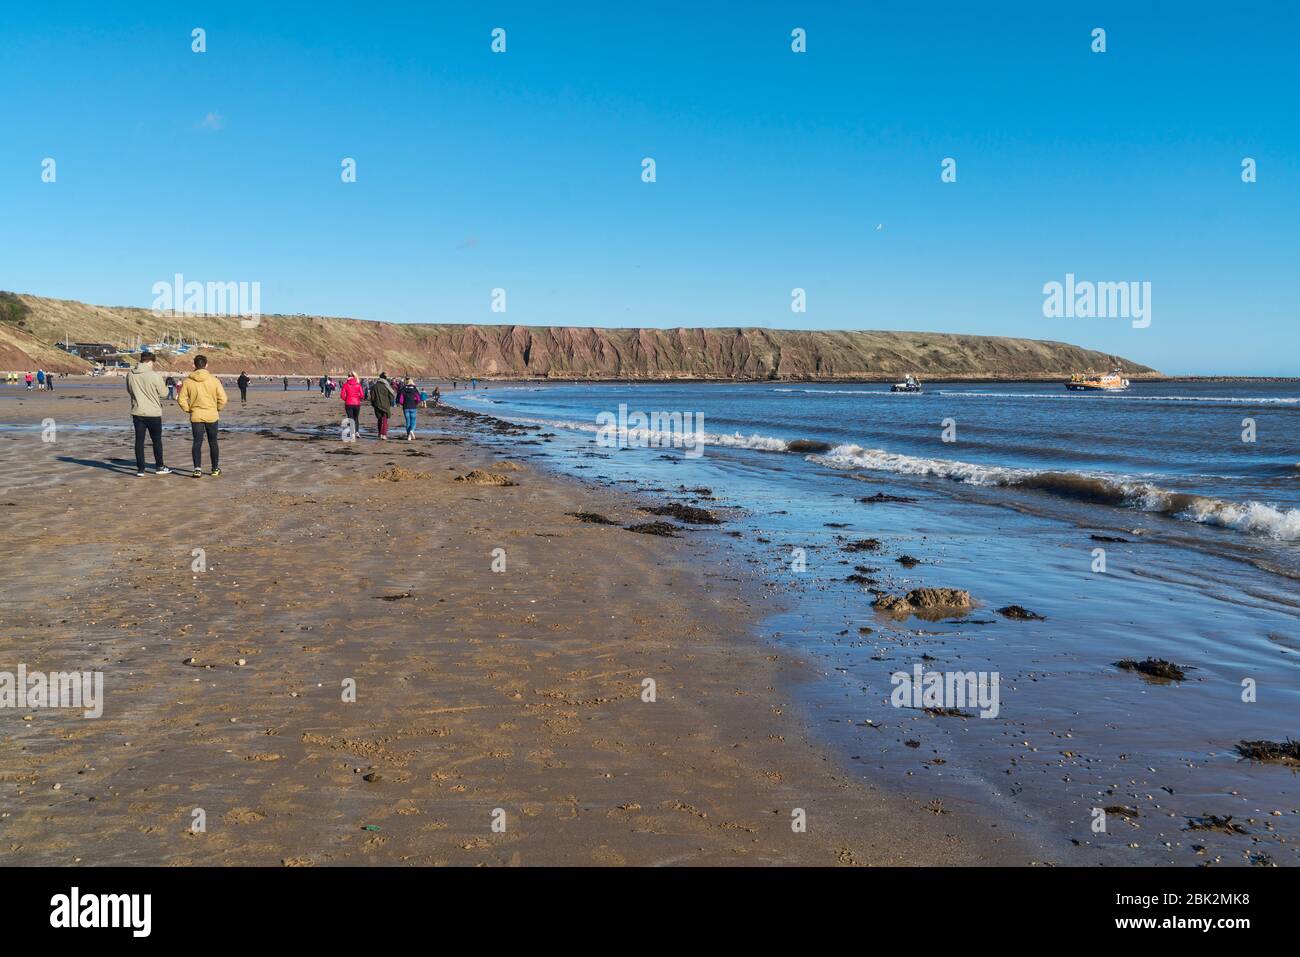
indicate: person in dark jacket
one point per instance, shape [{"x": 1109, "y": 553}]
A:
[
  {"x": 242, "y": 382},
  {"x": 381, "y": 400},
  {"x": 408, "y": 397}
]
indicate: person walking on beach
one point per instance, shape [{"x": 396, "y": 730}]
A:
[
  {"x": 203, "y": 397},
  {"x": 381, "y": 400},
  {"x": 436, "y": 397},
  {"x": 40, "y": 380},
  {"x": 286, "y": 383},
  {"x": 242, "y": 382},
  {"x": 171, "y": 387},
  {"x": 146, "y": 389},
  {"x": 28, "y": 379},
  {"x": 351, "y": 394},
  {"x": 49, "y": 381},
  {"x": 409, "y": 399}
]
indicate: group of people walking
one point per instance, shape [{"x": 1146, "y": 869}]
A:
[
  {"x": 383, "y": 394},
  {"x": 40, "y": 379},
  {"x": 202, "y": 396}
]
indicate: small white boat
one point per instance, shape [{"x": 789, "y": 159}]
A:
[{"x": 909, "y": 384}]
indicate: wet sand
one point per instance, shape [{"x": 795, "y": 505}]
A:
[{"x": 481, "y": 696}]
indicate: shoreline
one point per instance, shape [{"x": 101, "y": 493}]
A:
[{"x": 488, "y": 690}]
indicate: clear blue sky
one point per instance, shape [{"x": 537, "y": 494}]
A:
[{"x": 522, "y": 170}]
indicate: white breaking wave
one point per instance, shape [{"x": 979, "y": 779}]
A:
[{"x": 1252, "y": 517}]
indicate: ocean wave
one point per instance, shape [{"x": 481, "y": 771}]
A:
[
  {"x": 1252, "y": 517},
  {"x": 1255, "y": 518}
]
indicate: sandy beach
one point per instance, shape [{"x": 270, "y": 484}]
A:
[{"x": 510, "y": 697}]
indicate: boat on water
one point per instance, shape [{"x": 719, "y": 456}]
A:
[
  {"x": 1112, "y": 381},
  {"x": 909, "y": 384}
]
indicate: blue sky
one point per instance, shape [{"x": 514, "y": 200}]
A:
[{"x": 775, "y": 170}]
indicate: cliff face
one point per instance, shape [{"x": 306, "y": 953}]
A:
[{"x": 306, "y": 345}]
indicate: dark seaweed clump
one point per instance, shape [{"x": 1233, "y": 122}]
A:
[
  {"x": 863, "y": 545},
  {"x": 1154, "y": 668},
  {"x": 592, "y": 518},
  {"x": 1215, "y": 822},
  {"x": 882, "y": 497},
  {"x": 685, "y": 513},
  {"x": 946, "y": 712},
  {"x": 1287, "y": 750},
  {"x": 1017, "y": 613},
  {"x": 665, "y": 529}
]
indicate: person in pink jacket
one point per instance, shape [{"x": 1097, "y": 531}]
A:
[{"x": 352, "y": 394}]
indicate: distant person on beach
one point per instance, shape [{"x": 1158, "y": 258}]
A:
[
  {"x": 203, "y": 397},
  {"x": 409, "y": 399},
  {"x": 49, "y": 381},
  {"x": 242, "y": 382},
  {"x": 437, "y": 396},
  {"x": 352, "y": 394},
  {"x": 329, "y": 388},
  {"x": 381, "y": 400},
  {"x": 147, "y": 390},
  {"x": 28, "y": 379},
  {"x": 286, "y": 383},
  {"x": 171, "y": 387},
  {"x": 40, "y": 378},
  {"x": 306, "y": 384}
]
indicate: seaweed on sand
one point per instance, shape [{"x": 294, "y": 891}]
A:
[
  {"x": 664, "y": 529},
  {"x": 592, "y": 518}
]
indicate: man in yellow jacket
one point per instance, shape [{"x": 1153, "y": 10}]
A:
[{"x": 203, "y": 397}]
